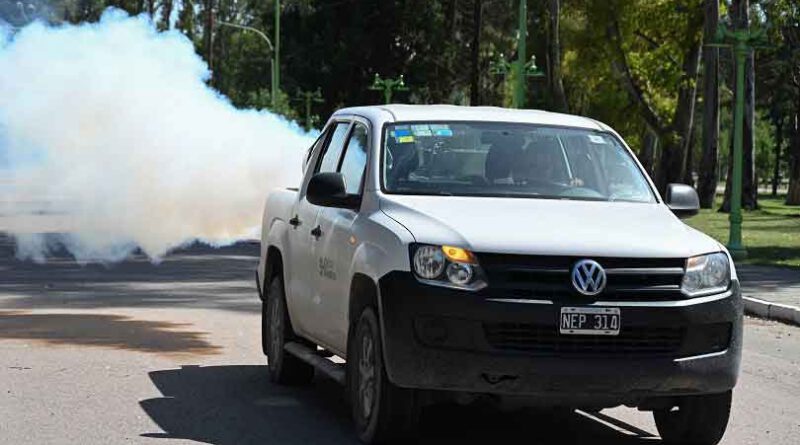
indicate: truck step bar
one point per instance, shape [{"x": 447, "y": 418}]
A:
[{"x": 333, "y": 370}]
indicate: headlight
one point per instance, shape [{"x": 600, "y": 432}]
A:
[
  {"x": 706, "y": 274},
  {"x": 447, "y": 266},
  {"x": 429, "y": 262}
]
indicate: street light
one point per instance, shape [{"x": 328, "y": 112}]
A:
[
  {"x": 273, "y": 62},
  {"x": 21, "y": 7},
  {"x": 388, "y": 86},
  {"x": 308, "y": 98},
  {"x": 522, "y": 68},
  {"x": 502, "y": 67},
  {"x": 742, "y": 41}
]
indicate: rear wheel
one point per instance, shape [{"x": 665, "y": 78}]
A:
[
  {"x": 276, "y": 331},
  {"x": 696, "y": 420},
  {"x": 382, "y": 412}
]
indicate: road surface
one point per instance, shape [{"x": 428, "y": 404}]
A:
[{"x": 141, "y": 353}]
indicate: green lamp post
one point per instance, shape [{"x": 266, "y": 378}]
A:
[
  {"x": 742, "y": 42},
  {"x": 522, "y": 68},
  {"x": 388, "y": 86},
  {"x": 309, "y": 98}
]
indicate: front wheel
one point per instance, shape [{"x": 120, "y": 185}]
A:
[
  {"x": 696, "y": 420},
  {"x": 382, "y": 412},
  {"x": 276, "y": 331}
]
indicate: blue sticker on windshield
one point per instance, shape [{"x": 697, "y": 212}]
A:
[
  {"x": 402, "y": 135},
  {"x": 441, "y": 130}
]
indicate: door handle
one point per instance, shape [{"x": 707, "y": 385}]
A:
[
  {"x": 316, "y": 232},
  {"x": 295, "y": 221}
]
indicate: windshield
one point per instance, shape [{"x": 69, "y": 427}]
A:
[{"x": 515, "y": 160}]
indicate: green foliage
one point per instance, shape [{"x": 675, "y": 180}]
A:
[{"x": 339, "y": 45}]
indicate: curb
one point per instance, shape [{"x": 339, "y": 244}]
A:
[{"x": 772, "y": 311}]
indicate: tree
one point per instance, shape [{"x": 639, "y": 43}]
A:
[
  {"x": 784, "y": 16},
  {"x": 208, "y": 33},
  {"x": 554, "y": 77},
  {"x": 793, "y": 194},
  {"x": 186, "y": 19},
  {"x": 475, "y": 56},
  {"x": 166, "y": 13},
  {"x": 674, "y": 132},
  {"x": 707, "y": 183}
]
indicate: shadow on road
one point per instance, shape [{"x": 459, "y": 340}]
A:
[
  {"x": 104, "y": 330},
  {"x": 197, "y": 276},
  {"x": 228, "y": 405}
]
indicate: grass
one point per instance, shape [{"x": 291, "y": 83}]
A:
[{"x": 771, "y": 234}]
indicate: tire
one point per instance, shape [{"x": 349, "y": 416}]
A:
[
  {"x": 382, "y": 412},
  {"x": 276, "y": 331},
  {"x": 698, "y": 420}
]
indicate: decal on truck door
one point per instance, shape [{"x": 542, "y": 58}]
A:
[{"x": 326, "y": 268}]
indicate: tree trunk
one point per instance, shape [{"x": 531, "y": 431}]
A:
[
  {"x": 741, "y": 17},
  {"x": 677, "y": 141},
  {"x": 674, "y": 136},
  {"x": 688, "y": 171},
  {"x": 165, "y": 15},
  {"x": 186, "y": 19},
  {"x": 208, "y": 34},
  {"x": 776, "y": 174},
  {"x": 475, "y": 75},
  {"x": 559, "y": 97},
  {"x": 707, "y": 183},
  {"x": 647, "y": 156},
  {"x": 793, "y": 196},
  {"x": 452, "y": 18}
]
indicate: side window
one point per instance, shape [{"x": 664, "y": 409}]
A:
[
  {"x": 355, "y": 160},
  {"x": 314, "y": 148},
  {"x": 330, "y": 160}
]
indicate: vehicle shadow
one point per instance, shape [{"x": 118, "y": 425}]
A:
[{"x": 228, "y": 405}]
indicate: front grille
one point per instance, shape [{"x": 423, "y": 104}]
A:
[
  {"x": 548, "y": 277},
  {"x": 546, "y": 340}
]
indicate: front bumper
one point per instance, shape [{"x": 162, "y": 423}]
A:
[{"x": 436, "y": 338}]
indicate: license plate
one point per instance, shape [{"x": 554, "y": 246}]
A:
[{"x": 590, "y": 321}]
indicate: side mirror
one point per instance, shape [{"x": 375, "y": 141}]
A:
[
  {"x": 328, "y": 190},
  {"x": 682, "y": 200}
]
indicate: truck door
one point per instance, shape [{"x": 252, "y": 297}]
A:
[
  {"x": 337, "y": 244},
  {"x": 302, "y": 276}
]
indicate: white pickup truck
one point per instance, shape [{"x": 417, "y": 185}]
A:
[{"x": 523, "y": 257}]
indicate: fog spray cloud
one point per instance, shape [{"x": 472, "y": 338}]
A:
[{"x": 113, "y": 124}]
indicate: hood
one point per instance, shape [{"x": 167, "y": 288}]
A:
[{"x": 548, "y": 226}]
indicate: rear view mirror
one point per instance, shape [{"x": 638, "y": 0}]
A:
[
  {"x": 682, "y": 200},
  {"x": 328, "y": 190}
]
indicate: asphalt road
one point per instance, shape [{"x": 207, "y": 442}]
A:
[{"x": 141, "y": 353}]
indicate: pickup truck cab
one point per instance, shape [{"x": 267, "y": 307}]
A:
[{"x": 518, "y": 256}]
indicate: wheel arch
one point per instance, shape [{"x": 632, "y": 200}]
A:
[
  {"x": 273, "y": 265},
  {"x": 363, "y": 293}
]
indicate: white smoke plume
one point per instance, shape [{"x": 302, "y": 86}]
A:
[{"x": 113, "y": 129}]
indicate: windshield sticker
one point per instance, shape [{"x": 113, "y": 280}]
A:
[
  {"x": 441, "y": 130},
  {"x": 596, "y": 139},
  {"x": 421, "y": 130},
  {"x": 402, "y": 135}
]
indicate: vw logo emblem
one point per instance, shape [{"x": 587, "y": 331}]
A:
[{"x": 588, "y": 277}]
